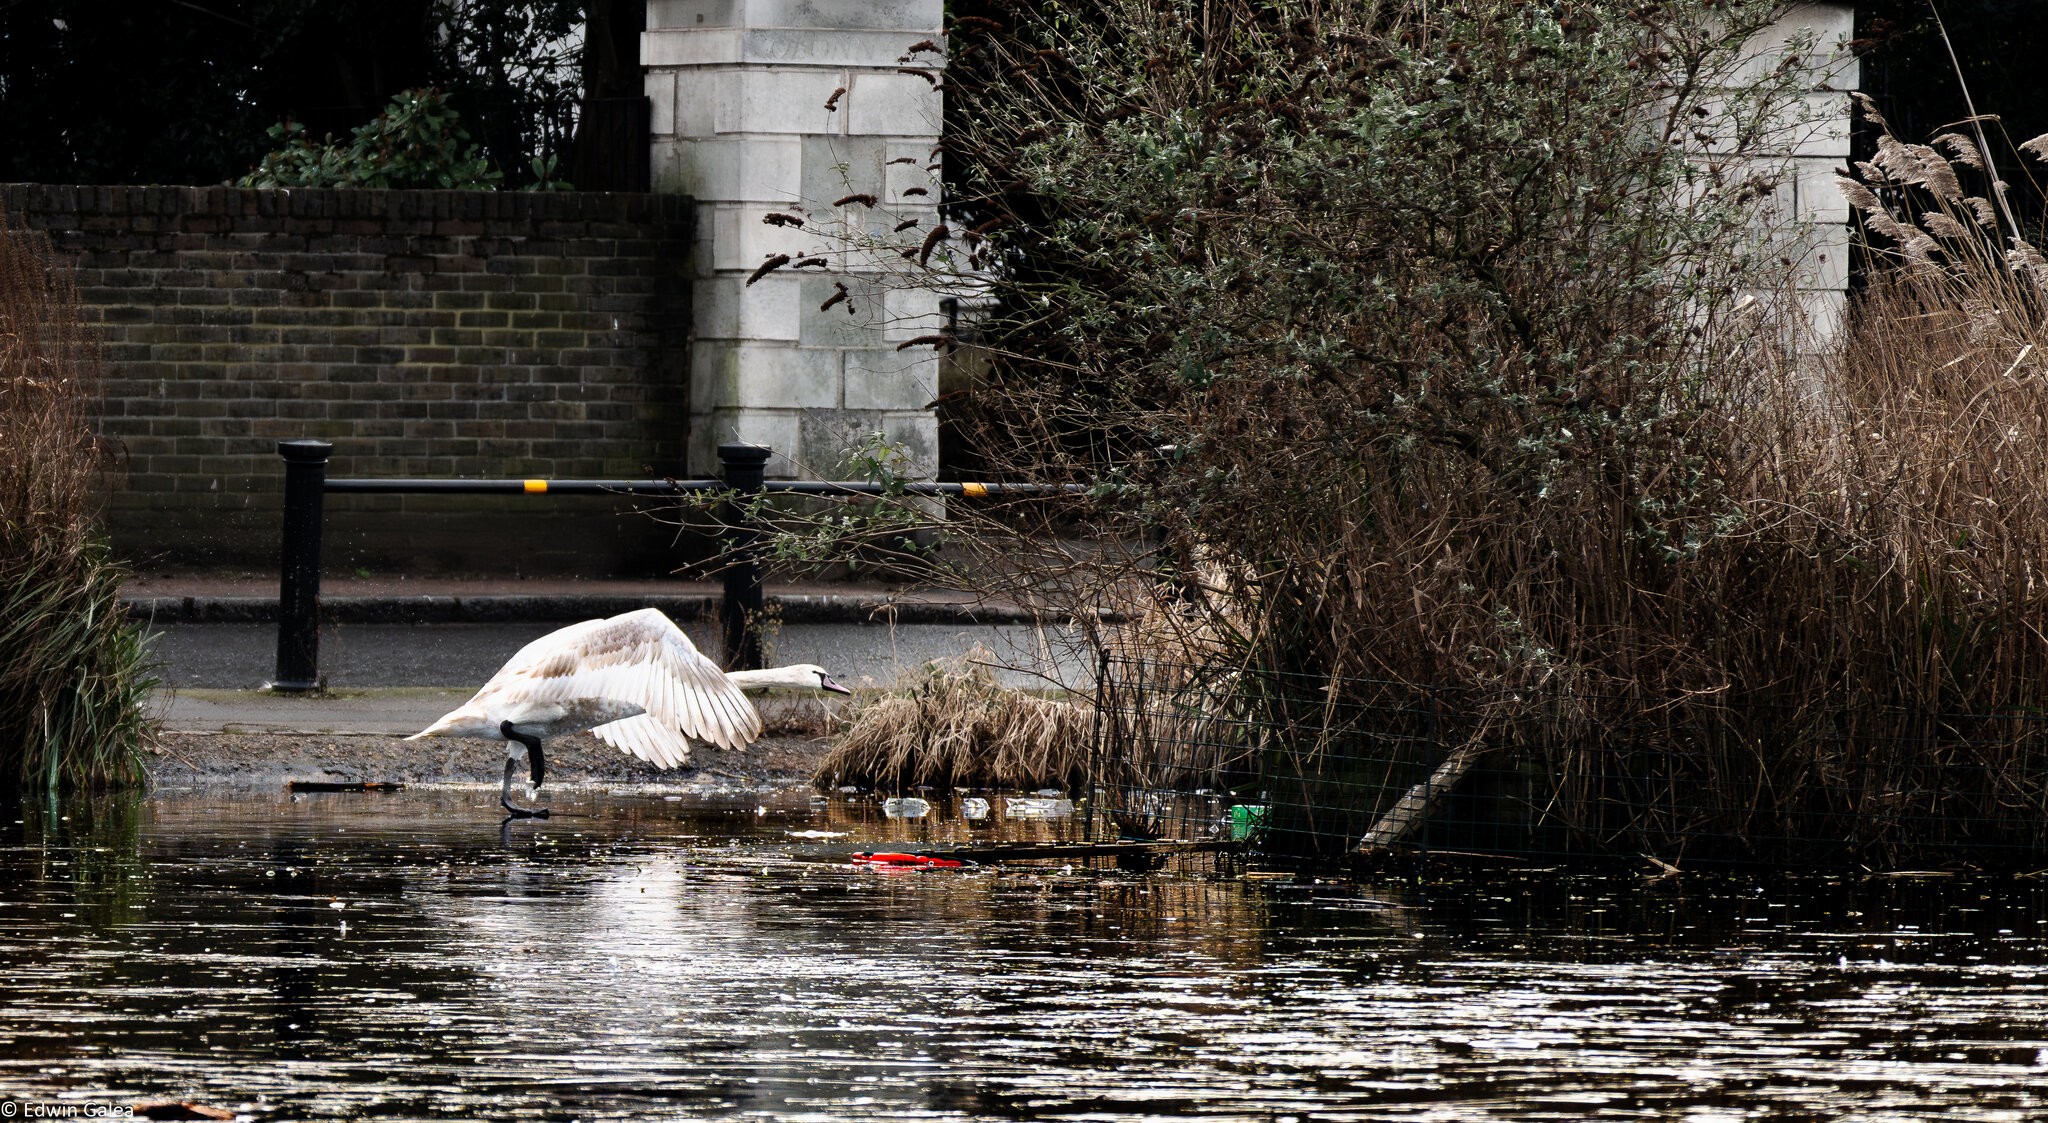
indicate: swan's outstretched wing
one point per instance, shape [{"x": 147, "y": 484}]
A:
[{"x": 642, "y": 658}]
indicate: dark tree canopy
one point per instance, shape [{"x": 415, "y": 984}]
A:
[
  {"x": 123, "y": 92},
  {"x": 184, "y": 91}
]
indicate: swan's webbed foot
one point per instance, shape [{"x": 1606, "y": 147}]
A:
[{"x": 513, "y": 810}]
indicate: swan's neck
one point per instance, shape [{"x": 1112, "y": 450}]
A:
[{"x": 803, "y": 677}]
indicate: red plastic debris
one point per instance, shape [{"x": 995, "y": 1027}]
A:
[
  {"x": 906, "y": 860},
  {"x": 173, "y": 1110}
]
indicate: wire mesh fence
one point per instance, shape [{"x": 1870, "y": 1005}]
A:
[{"x": 1323, "y": 767}]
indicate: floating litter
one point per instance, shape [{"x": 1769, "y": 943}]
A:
[
  {"x": 918, "y": 860},
  {"x": 815, "y": 834},
  {"x": 1247, "y": 820},
  {"x": 906, "y": 807},
  {"x": 1021, "y": 807},
  {"x": 974, "y": 807}
]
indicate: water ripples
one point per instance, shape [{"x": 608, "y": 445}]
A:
[{"x": 394, "y": 957}]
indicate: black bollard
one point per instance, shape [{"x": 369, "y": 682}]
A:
[
  {"x": 298, "y": 590},
  {"x": 745, "y": 468}
]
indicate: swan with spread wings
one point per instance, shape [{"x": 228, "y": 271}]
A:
[{"x": 635, "y": 681}]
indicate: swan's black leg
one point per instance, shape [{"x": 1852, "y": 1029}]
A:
[{"x": 511, "y": 768}]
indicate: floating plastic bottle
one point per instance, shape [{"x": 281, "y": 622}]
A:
[{"x": 974, "y": 807}]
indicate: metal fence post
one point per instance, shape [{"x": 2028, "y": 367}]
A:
[
  {"x": 746, "y": 469},
  {"x": 298, "y": 591},
  {"x": 1098, "y": 754}
]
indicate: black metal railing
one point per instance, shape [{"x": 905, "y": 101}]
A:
[{"x": 743, "y": 469}]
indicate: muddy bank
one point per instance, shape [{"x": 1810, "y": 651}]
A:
[
  {"x": 271, "y": 759},
  {"x": 256, "y": 739}
]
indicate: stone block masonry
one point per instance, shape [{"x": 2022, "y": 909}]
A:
[
  {"x": 424, "y": 333},
  {"x": 760, "y": 105},
  {"x": 1815, "y": 148}
]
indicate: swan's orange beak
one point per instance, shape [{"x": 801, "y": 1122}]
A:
[{"x": 825, "y": 682}]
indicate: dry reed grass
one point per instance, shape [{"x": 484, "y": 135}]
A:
[
  {"x": 959, "y": 728},
  {"x": 73, "y": 673},
  {"x": 1855, "y": 661}
]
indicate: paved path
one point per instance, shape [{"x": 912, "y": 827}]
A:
[
  {"x": 355, "y": 656},
  {"x": 393, "y": 711},
  {"x": 217, "y": 648},
  {"x": 390, "y": 678},
  {"x": 251, "y": 598}
]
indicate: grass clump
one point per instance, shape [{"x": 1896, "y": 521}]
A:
[
  {"x": 959, "y": 728},
  {"x": 74, "y": 673}
]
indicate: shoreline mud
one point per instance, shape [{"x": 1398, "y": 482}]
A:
[
  {"x": 271, "y": 760},
  {"x": 253, "y": 739}
]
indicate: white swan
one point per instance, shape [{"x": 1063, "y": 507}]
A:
[{"x": 636, "y": 682}]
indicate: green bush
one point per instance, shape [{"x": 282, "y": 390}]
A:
[
  {"x": 418, "y": 141},
  {"x": 1410, "y": 330}
]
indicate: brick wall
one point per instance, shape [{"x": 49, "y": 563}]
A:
[{"x": 424, "y": 333}]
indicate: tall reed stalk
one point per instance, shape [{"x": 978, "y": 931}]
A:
[{"x": 74, "y": 673}]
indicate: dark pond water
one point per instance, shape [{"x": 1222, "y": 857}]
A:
[{"x": 394, "y": 957}]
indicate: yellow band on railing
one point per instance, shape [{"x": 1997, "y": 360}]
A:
[
  {"x": 536, "y": 485},
  {"x": 974, "y": 489}
]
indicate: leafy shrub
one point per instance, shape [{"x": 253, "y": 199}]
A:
[
  {"x": 418, "y": 141},
  {"x": 1435, "y": 345},
  {"x": 1378, "y": 308}
]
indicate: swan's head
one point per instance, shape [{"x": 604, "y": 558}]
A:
[
  {"x": 795, "y": 676},
  {"x": 825, "y": 679},
  {"x": 811, "y": 675}
]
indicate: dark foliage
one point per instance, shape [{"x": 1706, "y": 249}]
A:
[
  {"x": 183, "y": 93},
  {"x": 186, "y": 92}
]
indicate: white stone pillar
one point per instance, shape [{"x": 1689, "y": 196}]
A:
[
  {"x": 741, "y": 122},
  {"x": 1817, "y": 150}
]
